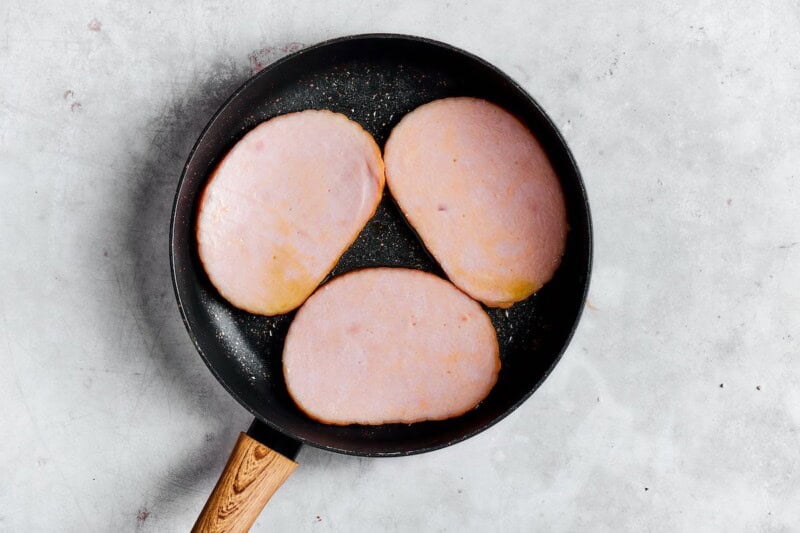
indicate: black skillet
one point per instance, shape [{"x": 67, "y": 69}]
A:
[{"x": 374, "y": 80}]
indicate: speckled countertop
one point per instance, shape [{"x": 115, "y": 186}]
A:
[{"x": 677, "y": 406}]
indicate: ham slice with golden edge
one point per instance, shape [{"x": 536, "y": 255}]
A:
[
  {"x": 480, "y": 192},
  {"x": 283, "y": 206},
  {"x": 386, "y": 345}
]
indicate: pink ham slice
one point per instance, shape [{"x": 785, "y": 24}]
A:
[
  {"x": 384, "y": 345},
  {"x": 478, "y": 188},
  {"x": 283, "y": 206}
]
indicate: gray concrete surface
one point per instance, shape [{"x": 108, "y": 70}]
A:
[{"x": 677, "y": 406}]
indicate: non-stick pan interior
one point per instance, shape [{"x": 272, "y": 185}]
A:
[{"x": 374, "y": 80}]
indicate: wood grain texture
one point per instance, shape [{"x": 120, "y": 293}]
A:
[{"x": 252, "y": 475}]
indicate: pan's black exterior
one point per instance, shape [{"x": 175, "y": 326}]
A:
[{"x": 375, "y": 80}]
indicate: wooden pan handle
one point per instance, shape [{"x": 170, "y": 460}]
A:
[{"x": 253, "y": 473}]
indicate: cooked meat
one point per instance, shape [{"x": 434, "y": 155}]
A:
[
  {"x": 384, "y": 345},
  {"x": 478, "y": 188},
  {"x": 283, "y": 205}
]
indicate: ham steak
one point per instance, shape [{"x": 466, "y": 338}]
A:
[
  {"x": 389, "y": 345},
  {"x": 283, "y": 206},
  {"x": 480, "y": 191}
]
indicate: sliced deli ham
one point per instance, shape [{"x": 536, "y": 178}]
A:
[
  {"x": 283, "y": 205},
  {"x": 386, "y": 345},
  {"x": 478, "y": 188}
]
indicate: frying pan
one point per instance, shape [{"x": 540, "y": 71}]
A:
[{"x": 374, "y": 80}]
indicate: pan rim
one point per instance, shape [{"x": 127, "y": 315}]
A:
[{"x": 579, "y": 183}]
